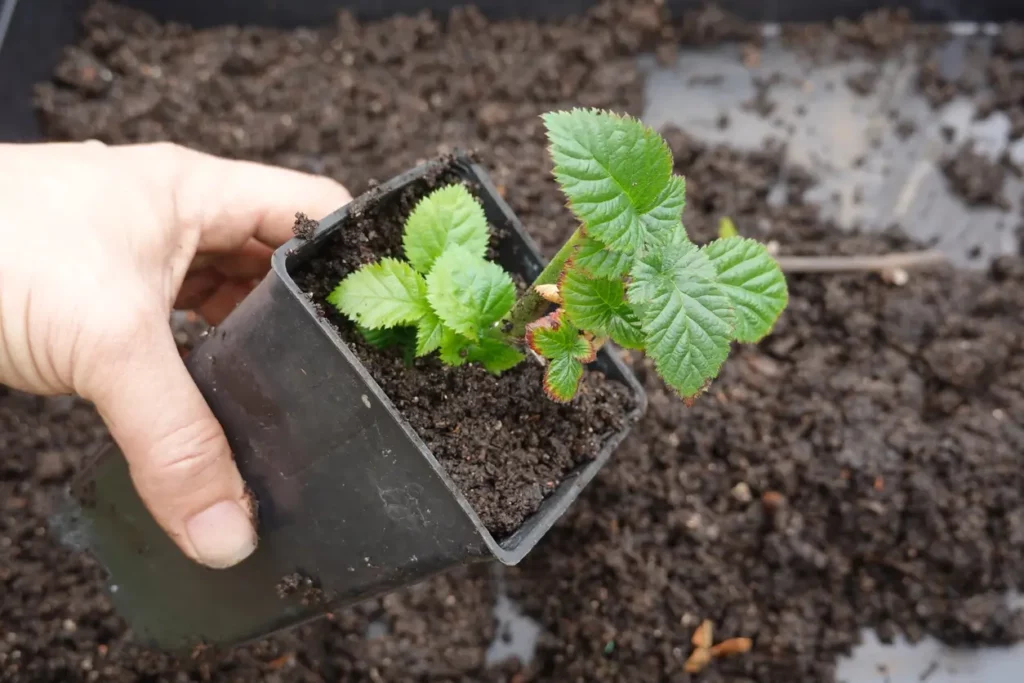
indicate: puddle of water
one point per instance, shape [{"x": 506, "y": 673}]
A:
[
  {"x": 875, "y": 168},
  {"x": 928, "y": 662},
  {"x": 517, "y": 634},
  {"x": 376, "y": 629}
]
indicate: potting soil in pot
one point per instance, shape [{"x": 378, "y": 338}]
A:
[
  {"x": 860, "y": 468},
  {"x": 505, "y": 445}
]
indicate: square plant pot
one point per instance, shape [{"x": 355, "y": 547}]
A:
[{"x": 351, "y": 501}]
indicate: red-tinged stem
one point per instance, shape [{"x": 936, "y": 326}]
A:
[{"x": 531, "y": 306}]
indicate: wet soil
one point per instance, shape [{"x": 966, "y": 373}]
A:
[
  {"x": 503, "y": 443},
  {"x": 975, "y": 178},
  {"x": 996, "y": 81},
  {"x": 861, "y": 467}
]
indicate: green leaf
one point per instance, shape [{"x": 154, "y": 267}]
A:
[
  {"x": 687, "y": 317},
  {"x": 447, "y": 216},
  {"x": 617, "y": 174},
  {"x": 678, "y": 254},
  {"x": 490, "y": 351},
  {"x": 402, "y": 338},
  {"x": 387, "y": 337},
  {"x": 560, "y": 342},
  {"x": 469, "y": 293},
  {"x": 600, "y": 261},
  {"x": 553, "y": 336},
  {"x": 495, "y": 355},
  {"x": 428, "y": 333},
  {"x": 454, "y": 348},
  {"x": 562, "y": 378},
  {"x": 753, "y": 281},
  {"x": 599, "y": 305},
  {"x": 385, "y": 294},
  {"x": 726, "y": 228}
]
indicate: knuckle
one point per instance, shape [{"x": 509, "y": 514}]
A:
[
  {"x": 189, "y": 455},
  {"x": 164, "y": 150}
]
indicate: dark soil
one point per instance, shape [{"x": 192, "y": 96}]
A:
[
  {"x": 975, "y": 178},
  {"x": 860, "y": 468},
  {"x": 864, "y": 83},
  {"x": 304, "y": 226},
  {"x": 876, "y": 34},
  {"x": 504, "y": 444},
  {"x": 905, "y": 128},
  {"x": 303, "y": 587},
  {"x": 996, "y": 76},
  {"x": 884, "y": 425}
]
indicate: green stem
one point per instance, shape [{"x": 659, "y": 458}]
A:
[{"x": 532, "y": 304}]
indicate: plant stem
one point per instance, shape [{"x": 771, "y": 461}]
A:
[
  {"x": 840, "y": 264},
  {"x": 530, "y": 306}
]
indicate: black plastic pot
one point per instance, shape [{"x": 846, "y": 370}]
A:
[{"x": 348, "y": 493}]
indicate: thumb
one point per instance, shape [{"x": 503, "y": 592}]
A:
[{"x": 180, "y": 461}]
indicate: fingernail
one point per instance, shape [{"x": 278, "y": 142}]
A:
[{"x": 222, "y": 535}]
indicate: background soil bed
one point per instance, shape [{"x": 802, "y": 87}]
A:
[
  {"x": 889, "y": 419},
  {"x": 506, "y": 446}
]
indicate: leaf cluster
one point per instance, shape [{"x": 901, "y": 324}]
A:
[
  {"x": 445, "y": 297},
  {"x": 630, "y": 273},
  {"x": 635, "y": 277}
]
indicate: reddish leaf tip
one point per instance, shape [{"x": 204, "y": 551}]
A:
[
  {"x": 552, "y": 394},
  {"x": 551, "y": 321},
  {"x": 690, "y": 400}
]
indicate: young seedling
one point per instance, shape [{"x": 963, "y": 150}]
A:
[
  {"x": 629, "y": 274},
  {"x": 446, "y": 297}
]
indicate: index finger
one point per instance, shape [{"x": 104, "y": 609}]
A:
[{"x": 230, "y": 201}]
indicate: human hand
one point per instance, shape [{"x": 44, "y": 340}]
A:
[{"x": 97, "y": 245}]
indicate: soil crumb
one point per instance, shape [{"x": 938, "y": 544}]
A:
[
  {"x": 304, "y": 226},
  {"x": 975, "y": 178},
  {"x": 864, "y": 82},
  {"x": 307, "y": 590}
]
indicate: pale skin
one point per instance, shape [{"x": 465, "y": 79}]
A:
[{"x": 99, "y": 244}]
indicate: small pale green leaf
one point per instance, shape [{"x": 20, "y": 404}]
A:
[
  {"x": 726, "y": 228},
  {"x": 428, "y": 333},
  {"x": 595, "y": 258},
  {"x": 495, "y": 355},
  {"x": 447, "y": 216},
  {"x": 753, "y": 281},
  {"x": 688, "y": 319},
  {"x": 617, "y": 174},
  {"x": 599, "y": 305},
  {"x": 384, "y": 294},
  {"x": 553, "y": 336},
  {"x": 469, "y": 293},
  {"x": 566, "y": 349}
]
